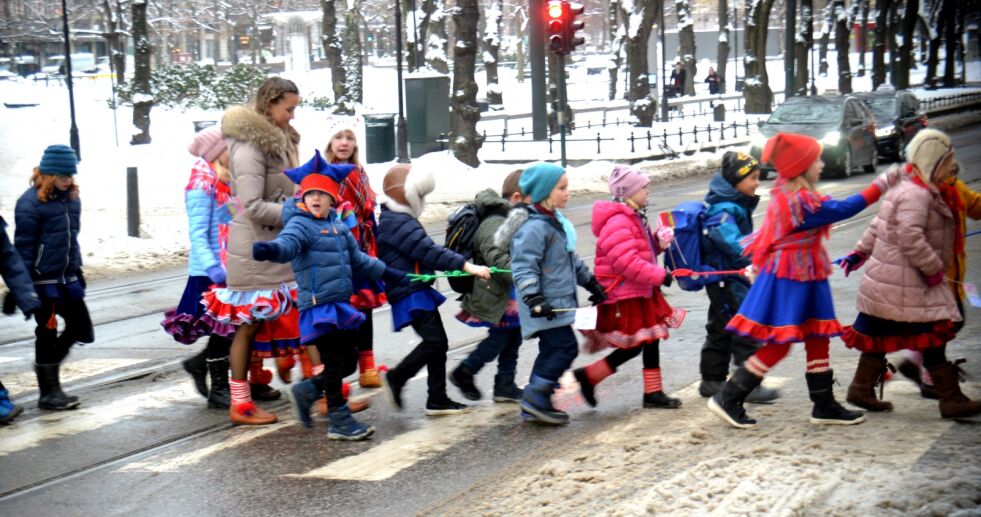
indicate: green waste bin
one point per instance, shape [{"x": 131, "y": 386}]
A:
[
  {"x": 379, "y": 132},
  {"x": 427, "y": 113}
]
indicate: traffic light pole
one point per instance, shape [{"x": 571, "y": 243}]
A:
[
  {"x": 536, "y": 55},
  {"x": 562, "y": 106}
]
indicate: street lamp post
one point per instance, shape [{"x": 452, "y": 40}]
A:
[
  {"x": 73, "y": 132},
  {"x": 403, "y": 142}
]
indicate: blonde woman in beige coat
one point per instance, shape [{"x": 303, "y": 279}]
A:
[
  {"x": 903, "y": 301},
  {"x": 259, "y": 296}
]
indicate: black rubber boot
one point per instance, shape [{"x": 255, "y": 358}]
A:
[
  {"x": 827, "y": 410},
  {"x": 462, "y": 378},
  {"x": 220, "y": 395},
  {"x": 728, "y": 402},
  {"x": 197, "y": 367},
  {"x": 49, "y": 384}
]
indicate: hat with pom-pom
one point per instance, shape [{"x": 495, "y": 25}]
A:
[
  {"x": 625, "y": 181},
  {"x": 317, "y": 174},
  {"x": 59, "y": 160},
  {"x": 208, "y": 143},
  {"x": 791, "y": 154}
]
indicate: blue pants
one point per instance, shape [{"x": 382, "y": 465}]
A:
[
  {"x": 557, "y": 348},
  {"x": 500, "y": 343}
]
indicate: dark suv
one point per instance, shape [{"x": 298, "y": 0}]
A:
[{"x": 897, "y": 118}]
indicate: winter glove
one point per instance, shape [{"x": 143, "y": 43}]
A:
[
  {"x": 81, "y": 279},
  {"x": 539, "y": 307},
  {"x": 665, "y": 236},
  {"x": 395, "y": 276},
  {"x": 668, "y": 280},
  {"x": 217, "y": 274},
  {"x": 9, "y": 304},
  {"x": 262, "y": 250},
  {"x": 750, "y": 273},
  {"x": 852, "y": 261},
  {"x": 598, "y": 294},
  {"x": 935, "y": 278}
]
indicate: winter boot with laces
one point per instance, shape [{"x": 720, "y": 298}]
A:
[
  {"x": 658, "y": 399},
  {"x": 505, "y": 390},
  {"x": 953, "y": 403},
  {"x": 219, "y": 395},
  {"x": 536, "y": 403},
  {"x": 728, "y": 402},
  {"x": 462, "y": 377},
  {"x": 870, "y": 373},
  {"x": 8, "y": 410},
  {"x": 196, "y": 366},
  {"x": 827, "y": 410},
  {"x": 342, "y": 426},
  {"x": 49, "y": 384},
  {"x": 304, "y": 395},
  {"x": 443, "y": 406}
]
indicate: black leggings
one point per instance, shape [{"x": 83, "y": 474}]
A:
[
  {"x": 340, "y": 358},
  {"x": 52, "y": 348},
  {"x": 932, "y": 357},
  {"x": 651, "y": 351},
  {"x": 217, "y": 348}
]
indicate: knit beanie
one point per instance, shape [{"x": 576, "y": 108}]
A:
[
  {"x": 208, "y": 143},
  {"x": 538, "y": 180},
  {"x": 737, "y": 166},
  {"x": 625, "y": 181},
  {"x": 337, "y": 123},
  {"x": 59, "y": 160},
  {"x": 927, "y": 150},
  {"x": 791, "y": 154}
]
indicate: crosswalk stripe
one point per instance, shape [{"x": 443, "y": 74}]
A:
[{"x": 71, "y": 371}]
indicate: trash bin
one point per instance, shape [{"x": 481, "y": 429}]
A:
[
  {"x": 379, "y": 132},
  {"x": 201, "y": 124},
  {"x": 427, "y": 114},
  {"x": 719, "y": 112}
]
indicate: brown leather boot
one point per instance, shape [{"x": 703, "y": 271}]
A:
[
  {"x": 953, "y": 403},
  {"x": 354, "y": 405},
  {"x": 249, "y": 414},
  {"x": 869, "y": 374}
]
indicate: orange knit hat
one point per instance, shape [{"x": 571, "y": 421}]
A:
[
  {"x": 319, "y": 182},
  {"x": 791, "y": 154}
]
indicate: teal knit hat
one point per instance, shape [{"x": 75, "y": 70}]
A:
[
  {"x": 538, "y": 180},
  {"x": 59, "y": 160}
]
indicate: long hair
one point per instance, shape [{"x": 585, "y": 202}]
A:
[
  {"x": 332, "y": 158},
  {"x": 271, "y": 91},
  {"x": 798, "y": 183},
  {"x": 45, "y": 184}
]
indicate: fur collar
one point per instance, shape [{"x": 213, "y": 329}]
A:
[
  {"x": 395, "y": 206},
  {"x": 516, "y": 217},
  {"x": 245, "y": 124}
]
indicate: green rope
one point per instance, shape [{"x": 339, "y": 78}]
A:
[{"x": 448, "y": 274}]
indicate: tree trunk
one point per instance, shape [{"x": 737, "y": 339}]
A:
[
  {"x": 756, "y": 90},
  {"x": 642, "y": 104},
  {"x": 616, "y": 35},
  {"x": 863, "y": 36},
  {"x": 879, "y": 47},
  {"x": 492, "y": 47},
  {"x": 951, "y": 39},
  {"x": 826, "y": 26},
  {"x": 434, "y": 44},
  {"x": 115, "y": 38},
  {"x": 142, "y": 98},
  {"x": 802, "y": 47},
  {"x": 519, "y": 31},
  {"x": 334, "y": 55},
  {"x": 843, "y": 25},
  {"x": 352, "y": 58},
  {"x": 465, "y": 141},
  {"x": 722, "y": 57},
  {"x": 933, "y": 53},
  {"x": 906, "y": 51},
  {"x": 686, "y": 44}
]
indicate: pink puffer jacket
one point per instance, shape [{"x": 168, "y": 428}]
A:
[
  {"x": 910, "y": 239},
  {"x": 625, "y": 252}
]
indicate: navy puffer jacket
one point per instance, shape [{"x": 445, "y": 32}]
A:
[
  {"x": 324, "y": 256},
  {"x": 403, "y": 244},
  {"x": 46, "y": 236}
]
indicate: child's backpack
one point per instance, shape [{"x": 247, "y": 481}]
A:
[
  {"x": 461, "y": 228},
  {"x": 685, "y": 252}
]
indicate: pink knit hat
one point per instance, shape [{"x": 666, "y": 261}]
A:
[
  {"x": 626, "y": 181},
  {"x": 208, "y": 143}
]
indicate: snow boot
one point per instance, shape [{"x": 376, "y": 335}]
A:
[
  {"x": 342, "y": 426},
  {"x": 707, "y": 387},
  {"x": 197, "y": 368},
  {"x": 462, "y": 377},
  {"x": 304, "y": 395},
  {"x": 763, "y": 395},
  {"x": 505, "y": 390},
  {"x": 8, "y": 410},
  {"x": 249, "y": 414},
  {"x": 536, "y": 403},
  {"x": 911, "y": 370},
  {"x": 259, "y": 379},
  {"x": 827, "y": 410},
  {"x": 219, "y": 396},
  {"x": 445, "y": 406},
  {"x": 392, "y": 388},
  {"x": 869, "y": 373},
  {"x": 587, "y": 388},
  {"x": 52, "y": 397},
  {"x": 953, "y": 403},
  {"x": 728, "y": 402},
  {"x": 658, "y": 399}
]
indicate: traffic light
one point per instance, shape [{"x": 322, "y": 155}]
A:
[
  {"x": 555, "y": 24},
  {"x": 572, "y": 25}
]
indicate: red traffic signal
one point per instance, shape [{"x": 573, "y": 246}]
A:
[{"x": 555, "y": 25}]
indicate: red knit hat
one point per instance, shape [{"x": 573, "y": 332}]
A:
[
  {"x": 319, "y": 182},
  {"x": 791, "y": 154}
]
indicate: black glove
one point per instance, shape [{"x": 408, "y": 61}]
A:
[
  {"x": 81, "y": 279},
  {"x": 9, "y": 303},
  {"x": 395, "y": 276},
  {"x": 597, "y": 293},
  {"x": 668, "y": 279},
  {"x": 539, "y": 307},
  {"x": 262, "y": 250}
]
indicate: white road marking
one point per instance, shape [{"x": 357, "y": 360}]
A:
[
  {"x": 8, "y": 359},
  {"x": 70, "y": 371}
]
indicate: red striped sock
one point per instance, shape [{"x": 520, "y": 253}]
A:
[
  {"x": 766, "y": 358},
  {"x": 366, "y": 360},
  {"x": 318, "y": 369},
  {"x": 598, "y": 371},
  {"x": 240, "y": 392},
  {"x": 652, "y": 380},
  {"x": 818, "y": 356}
]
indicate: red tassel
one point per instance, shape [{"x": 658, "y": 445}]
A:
[{"x": 53, "y": 320}]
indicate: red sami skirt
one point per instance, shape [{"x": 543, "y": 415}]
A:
[
  {"x": 877, "y": 335},
  {"x": 633, "y": 322}
]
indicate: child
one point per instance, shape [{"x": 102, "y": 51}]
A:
[
  {"x": 48, "y": 217},
  {"x": 324, "y": 257},
  {"x": 790, "y": 301},
  {"x": 403, "y": 244},
  {"x": 546, "y": 269},
  {"x": 731, "y": 201},
  {"x": 492, "y": 303},
  {"x": 206, "y": 192},
  {"x": 635, "y": 316},
  {"x": 903, "y": 300},
  {"x": 21, "y": 294}
]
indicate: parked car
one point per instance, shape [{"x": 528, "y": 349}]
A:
[
  {"x": 842, "y": 123},
  {"x": 897, "y": 118}
]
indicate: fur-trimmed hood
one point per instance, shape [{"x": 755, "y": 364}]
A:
[
  {"x": 246, "y": 124},
  {"x": 516, "y": 217}
]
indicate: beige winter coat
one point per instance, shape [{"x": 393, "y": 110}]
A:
[
  {"x": 911, "y": 238},
  {"x": 258, "y": 152}
]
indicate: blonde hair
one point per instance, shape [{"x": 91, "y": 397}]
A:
[
  {"x": 332, "y": 158},
  {"x": 798, "y": 183},
  {"x": 224, "y": 173},
  {"x": 45, "y": 185}
]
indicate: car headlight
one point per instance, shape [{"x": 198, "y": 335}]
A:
[
  {"x": 832, "y": 138},
  {"x": 758, "y": 140},
  {"x": 884, "y": 131}
]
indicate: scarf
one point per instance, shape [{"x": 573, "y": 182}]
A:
[
  {"x": 567, "y": 227},
  {"x": 784, "y": 213},
  {"x": 951, "y": 198}
]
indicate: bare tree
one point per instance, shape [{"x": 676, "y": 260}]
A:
[
  {"x": 722, "y": 55},
  {"x": 352, "y": 58},
  {"x": 520, "y": 30},
  {"x": 335, "y": 55},
  {"x": 492, "y": 46},
  {"x": 142, "y": 99},
  {"x": 906, "y": 50},
  {"x": 436, "y": 39},
  {"x": 879, "y": 47},
  {"x": 115, "y": 36},
  {"x": 757, "y": 92},
  {"x": 827, "y": 23},
  {"x": 803, "y": 44},
  {"x": 863, "y": 36},
  {"x": 948, "y": 15},
  {"x": 686, "y": 43},
  {"x": 843, "y": 25},
  {"x": 465, "y": 141},
  {"x": 639, "y": 20}
]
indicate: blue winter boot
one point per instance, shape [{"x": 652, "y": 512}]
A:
[
  {"x": 505, "y": 390},
  {"x": 305, "y": 395},
  {"x": 536, "y": 403},
  {"x": 342, "y": 426},
  {"x": 8, "y": 410}
]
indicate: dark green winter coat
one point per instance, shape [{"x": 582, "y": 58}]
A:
[{"x": 489, "y": 298}]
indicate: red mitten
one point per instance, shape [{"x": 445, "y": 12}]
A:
[{"x": 935, "y": 278}]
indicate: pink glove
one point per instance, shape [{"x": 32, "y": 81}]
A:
[
  {"x": 935, "y": 278},
  {"x": 665, "y": 236}
]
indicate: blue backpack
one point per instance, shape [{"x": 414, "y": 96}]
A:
[{"x": 688, "y": 220}]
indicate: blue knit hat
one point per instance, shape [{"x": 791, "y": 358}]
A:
[
  {"x": 59, "y": 160},
  {"x": 538, "y": 180}
]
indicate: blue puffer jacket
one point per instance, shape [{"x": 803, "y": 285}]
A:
[
  {"x": 202, "y": 231},
  {"x": 540, "y": 264},
  {"x": 46, "y": 236},
  {"x": 403, "y": 244},
  {"x": 728, "y": 219},
  {"x": 324, "y": 256},
  {"x": 15, "y": 274}
]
